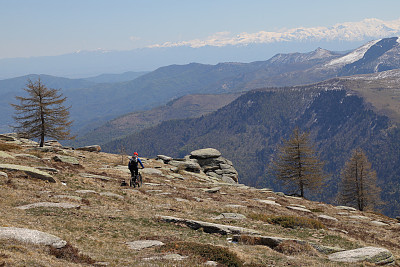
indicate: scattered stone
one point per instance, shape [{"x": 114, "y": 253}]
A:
[
  {"x": 346, "y": 208},
  {"x": 211, "y": 263},
  {"x": 209, "y": 227},
  {"x": 164, "y": 158},
  {"x": 8, "y": 137},
  {"x": 181, "y": 199},
  {"x": 299, "y": 209},
  {"x": 174, "y": 257},
  {"x": 86, "y": 192},
  {"x": 47, "y": 169},
  {"x": 95, "y": 176},
  {"x": 66, "y": 159},
  {"x": 269, "y": 202},
  {"x": 49, "y": 205},
  {"x": 5, "y": 155},
  {"x": 110, "y": 194},
  {"x": 378, "y": 223},
  {"x": 151, "y": 171},
  {"x": 32, "y": 172},
  {"x": 398, "y": 218},
  {"x": 281, "y": 194},
  {"x": 230, "y": 216},
  {"x": 379, "y": 256},
  {"x": 212, "y": 190},
  {"x": 68, "y": 197},
  {"x": 326, "y": 217},
  {"x": 235, "y": 206},
  {"x": 31, "y": 236},
  {"x": 298, "y": 205},
  {"x": 151, "y": 184},
  {"x": 52, "y": 143},
  {"x": 359, "y": 217},
  {"x": 46, "y": 149},
  {"x": 93, "y": 148},
  {"x": 141, "y": 244},
  {"x": 3, "y": 174},
  {"x": 273, "y": 242}
]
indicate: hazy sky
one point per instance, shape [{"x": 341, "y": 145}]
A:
[{"x": 54, "y": 27}]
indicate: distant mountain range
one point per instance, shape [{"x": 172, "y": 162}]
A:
[
  {"x": 341, "y": 114},
  {"x": 95, "y": 103}
]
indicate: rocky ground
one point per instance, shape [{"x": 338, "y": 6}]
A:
[{"x": 65, "y": 207}]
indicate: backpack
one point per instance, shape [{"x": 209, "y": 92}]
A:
[{"x": 133, "y": 163}]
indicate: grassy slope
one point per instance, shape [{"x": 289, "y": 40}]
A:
[{"x": 102, "y": 226}]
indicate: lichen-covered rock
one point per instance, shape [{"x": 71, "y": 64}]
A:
[
  {"x": 33, "y": 172},
  {"x": 31, "y": 236},
  {"x": 380, "y": 256},
  {"x": 205, "y": 153},
  {"x": 66, "y": 159}
]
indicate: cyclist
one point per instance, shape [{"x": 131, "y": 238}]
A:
[{"x": 134, "y": 164}]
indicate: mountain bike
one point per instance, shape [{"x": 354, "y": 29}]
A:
[{"x": 136, "y": 180}]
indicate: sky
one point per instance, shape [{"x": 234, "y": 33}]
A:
[{"x": 31, "y": 28}]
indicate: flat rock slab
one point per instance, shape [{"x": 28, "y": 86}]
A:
[
  {"x": 93, "y": 148},
  {"x": 141, "y": 244},
  {"x": 171, "y": 257},
  {"x": 380, "y": 256},
  {"x": 272, "y": 242},
  {"x": 346, "y": 208},
  {"x": 95, "y": 176},
  {"x": 68, "y": 197},
  {"x": 230, "y": 216},
  {"x": 212, "y": 190},
  {"x": 32, "y": 172},
  {"x": 86, "y": 191},
  {"x": 109, "y": 194},
  {"x": 205, "y": 153},
  {"x": 326, "y": 217},
  {"x": 66, "y": 159},
  {"x": 151, "y": 171},
  {"x": 31, "y": 236},
  {"x": 267, "y": 201},
  {"x": 64, "y": 205},
  {"x": 209, "y": 227},
  {"x": 6, "y": 155},
  {"x": 299, "y": 209},
  {"x": 379, "y": 223}
]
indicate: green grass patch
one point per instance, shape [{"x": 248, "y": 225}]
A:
[
  {"x": 338, "y": 241},
  {"x": 207, "y": 252}
]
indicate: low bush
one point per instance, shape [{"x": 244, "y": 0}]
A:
[
  {"x": 292, "y": 247},
  {"x": 296, "y": 222},
  {"x": 8, "y": 147},
  {"x": 71, "y": 254},
  {"x": 207, "y": 252}
]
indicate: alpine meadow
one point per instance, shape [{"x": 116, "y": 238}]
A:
[{"x": 214, "y": 148}]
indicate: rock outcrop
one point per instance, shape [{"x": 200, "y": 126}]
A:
[
  {"x": 33, "y": 172},
  {"x": 379, "y": 256},
  {"x": 31, "y": 236},
  {"x": 213, "y": 164},
  {"x": 93, "y": 148}
]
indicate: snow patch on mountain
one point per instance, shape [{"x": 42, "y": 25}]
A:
[{"x": 352, "y": 56}]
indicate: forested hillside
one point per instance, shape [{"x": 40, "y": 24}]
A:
[{"x": 249, "y": 129}]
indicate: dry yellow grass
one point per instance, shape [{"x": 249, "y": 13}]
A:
[{"x": 103, "y": 224}]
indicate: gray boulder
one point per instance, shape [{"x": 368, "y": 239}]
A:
[
  {"x": 32, "y": 172},
  {"x": 379, "y": 256},
  {"x": 31, "y": 236},
  {"x": 205, "y": 153},
  {"x": 66, "y": 159},
  {"x": 141, "y": 244},
  {"x": 64, "y": 205}
]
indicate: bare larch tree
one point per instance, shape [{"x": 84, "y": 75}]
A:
[
  {"x": 42, "y": 113},
  {"x": 298, "y": 165},
  {"x": 358, "y": 187}
]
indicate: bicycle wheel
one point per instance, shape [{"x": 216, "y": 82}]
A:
[
  {"x": 132, "y": 182},
  {"x": 139, "y": 180}
]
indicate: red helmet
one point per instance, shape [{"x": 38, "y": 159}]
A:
[{"x": 135, "y": 154}]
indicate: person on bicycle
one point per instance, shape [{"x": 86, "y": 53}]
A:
[{"x": 134, "y": 164}]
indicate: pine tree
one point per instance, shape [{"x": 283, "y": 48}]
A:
[
  {"x": 298, "y": 165},
  {"x": 358, "y": 187},
  {"x": 42, "y": 113}
]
